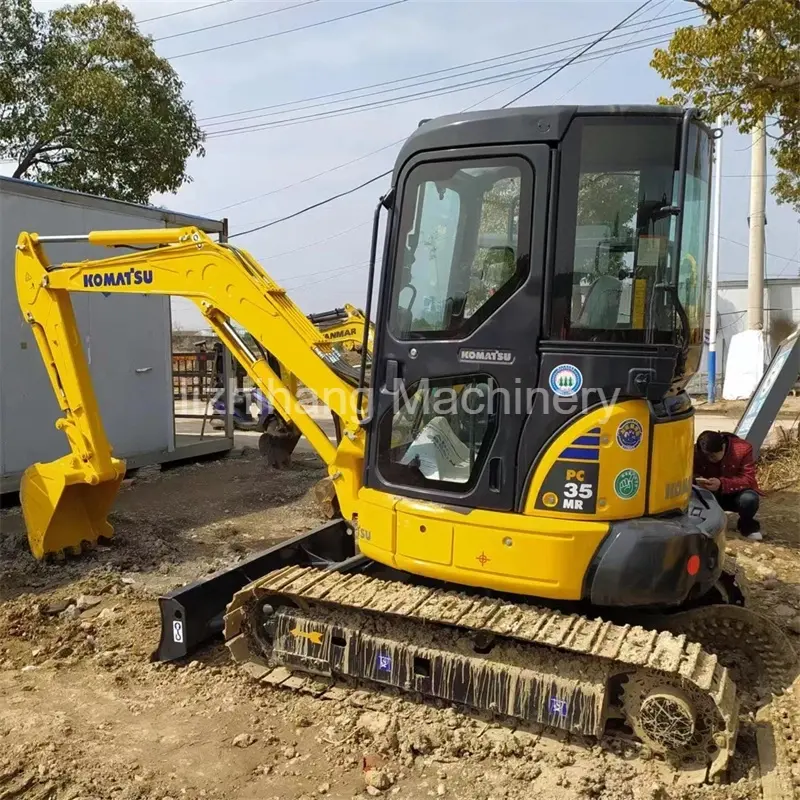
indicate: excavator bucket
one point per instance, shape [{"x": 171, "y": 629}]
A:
[{"x": 64, "y": 509}]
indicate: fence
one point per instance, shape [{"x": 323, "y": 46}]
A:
[{"x": 193, "y": 375}]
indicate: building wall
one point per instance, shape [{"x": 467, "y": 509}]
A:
[
  {"x": 781, "y": 316},
  {"x": 126, "y": 339}
]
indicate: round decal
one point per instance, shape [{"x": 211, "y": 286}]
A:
[
  {"x": 629, "y": 434},
  {"x": 566, "y": 380},
  {"x": 626, "y": 484},
  {"x": 550, "y": 499}
]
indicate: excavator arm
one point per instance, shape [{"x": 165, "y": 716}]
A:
[
  {"x": 344, "y": 326},
  {"x": 65, "y": 502}
]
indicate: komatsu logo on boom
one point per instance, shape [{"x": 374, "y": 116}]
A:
[{"x": 131, "y": 277}]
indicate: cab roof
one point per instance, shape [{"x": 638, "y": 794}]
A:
[{"x": 531, "y": 124}]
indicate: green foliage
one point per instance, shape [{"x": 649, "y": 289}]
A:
[
  {"x": 86, "y": 104},
  {"x": 744, "y": 63},
  {"x": 607, "y": 199}
]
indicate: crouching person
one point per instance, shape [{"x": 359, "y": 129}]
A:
[{"x": 723, "y": 464}]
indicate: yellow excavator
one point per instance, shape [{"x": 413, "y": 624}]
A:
[
  {"x": 345, "y": 327},
  {"x": 516, "y": 528}
]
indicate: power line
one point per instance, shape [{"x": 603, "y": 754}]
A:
[
  {"x": 425, "y": 94},
  {"x": 664, "y": 4},
  {"x": 287, "y": 31},
  {"x": 348, "y": 268},
  {"x": 556, "y": 47},
  {"x": 344, "y": 164},
  {"x": 384, "y": 174},
  {"x": 789, "y": 261},
  {"x": 311, "y": 207},
  {"x": 771, "y": 255},
  {"x": 185, "y": 11},
  {"x": 309, "y": 178},
  {"x": 235, "y": 21},
  {"x": 314, "y": 244},
  {"x": 282, "y": 108},
  {"x": 576, "y": 57}
]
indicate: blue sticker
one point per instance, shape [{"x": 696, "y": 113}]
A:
[
  {"x": 558, "y": 707},
  {"x": 629, "y": 434},
  {"x": 566, "y": 380},
  {"x": 384, "y": 663}
]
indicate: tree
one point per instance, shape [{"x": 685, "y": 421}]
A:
[
  {"x": 744, "y": 63},
  {"x": 86, "y": 104},
  {"x": 606, "y": 200}
]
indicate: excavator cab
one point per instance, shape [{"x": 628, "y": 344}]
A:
[{"x": 543, "y": 273}]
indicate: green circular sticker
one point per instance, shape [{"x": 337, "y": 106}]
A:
[{"x": 626, "y": 484}]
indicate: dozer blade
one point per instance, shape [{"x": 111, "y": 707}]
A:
[{"x": 63, "y": 509}]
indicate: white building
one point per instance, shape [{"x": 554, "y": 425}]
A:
[{"x": 781, "y": 317}]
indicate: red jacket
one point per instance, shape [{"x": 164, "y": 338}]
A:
[{"x": 736, "y": 471}]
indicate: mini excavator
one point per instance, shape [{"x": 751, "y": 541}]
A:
[
  {"x": 514, "y": 526},
  {"x": 345, "y": 326}
]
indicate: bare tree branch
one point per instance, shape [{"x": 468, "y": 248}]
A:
[
  {"x": 28, "y": 159},
  {"x": 776, "y": 83},
  {"x": 707, "y": 8}
]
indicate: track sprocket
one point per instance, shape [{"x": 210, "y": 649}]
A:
[{"x": 755, "y": 650}]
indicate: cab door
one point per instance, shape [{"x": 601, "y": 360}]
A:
[{"x": 459, "y": 325}]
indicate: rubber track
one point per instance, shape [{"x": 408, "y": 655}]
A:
[
  {"x": 785, "y": 713},
  {"x": 628, "y": 646}
]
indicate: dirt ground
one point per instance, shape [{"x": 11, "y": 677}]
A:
[{"x": 85, "y": 714}]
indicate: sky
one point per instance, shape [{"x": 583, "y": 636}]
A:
[{"x": 320, "y": 257}]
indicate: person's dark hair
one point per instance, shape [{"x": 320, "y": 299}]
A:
[{"x": 711, "y": 442}]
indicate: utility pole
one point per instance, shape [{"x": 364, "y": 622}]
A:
[
  {"x": 758, "y": 202},
  {"x": 712, "y": 324}
]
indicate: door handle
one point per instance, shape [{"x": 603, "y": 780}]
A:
[
  {"x": 142, "y": 370},
  {"x": 495, "y": 474},
  {"x": 391, "y": 375}
]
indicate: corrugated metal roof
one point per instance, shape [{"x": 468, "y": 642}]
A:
[{"x": 176, "y": 218}]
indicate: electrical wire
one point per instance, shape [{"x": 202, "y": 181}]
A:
[
  {"x": 555, "y": 47},
  {"x": 767, "y": 253},
  {"x": 235, "y": 21},
  {"x": 789, "y": 262},
  {"x": 413, "y": 97},
  {"x": 185, "y": 11},
  {"x": 277, "y": 111},
  {"x": 354, "y": 189},
  {"x": 399, "y": 141},
  {"x": 657, "y": 15},
  {"x": 312, "y": 206},
  {"x": 576, "y": 57},
  {"x": 309, "y": 178},
  {"x": 348, "y": 268},
  {"x": 314, "y": 244},
  {"x": 310, "y": 25}
]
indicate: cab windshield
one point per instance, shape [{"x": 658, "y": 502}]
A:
[
  {"x": 617, "y": 278},
  {"x": 459, "y": 253}
]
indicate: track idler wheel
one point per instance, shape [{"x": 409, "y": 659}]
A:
[
  {"x": 278, "y": 442},
  {"x": 673, "y": 720}
]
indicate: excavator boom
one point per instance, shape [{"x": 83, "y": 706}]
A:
[{"x": 66, "y": 502}]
